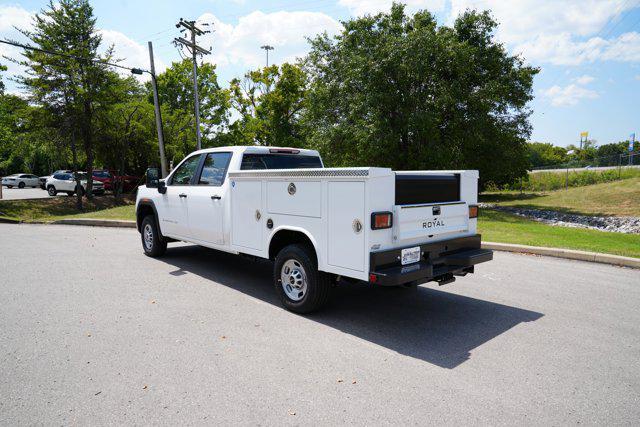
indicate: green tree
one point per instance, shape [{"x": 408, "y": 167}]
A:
[
  {"x": 70, "y": 87},
  {"x": 270, "y": 102},
  {"x": 400, "y": 91},
  {"x": 545, "y": 154},
  {"x": 126, "y": 130},
  {"x": 2, "y": 68},
  {"x": 175, "y": 92}
]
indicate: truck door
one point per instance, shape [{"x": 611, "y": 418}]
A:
[
  {"x": 207, "y": 199},
  {"x": 172, "y": 205}
]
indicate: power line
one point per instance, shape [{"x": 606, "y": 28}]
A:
[
  {"x": 65, "y": 55},
  {"x": 195, "y": 51}
]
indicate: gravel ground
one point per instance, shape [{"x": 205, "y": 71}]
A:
[
  {"x": 617, "y": 224},
  {"x": 95, "y": 333}
]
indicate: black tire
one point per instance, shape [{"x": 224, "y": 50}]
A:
[
  {"x": 52, "y": 190},
  {"x": 21, "y": 185},
  {"x": 318, "y": 284},
  {"x": 9, "y": 186},
  {"x": 157, "y": 245}
]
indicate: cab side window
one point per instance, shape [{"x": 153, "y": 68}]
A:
[
  {"x": 214, "y": 169},
  {"x": 186, "y": 171}
]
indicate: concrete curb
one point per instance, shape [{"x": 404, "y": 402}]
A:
[
  {"x": 10, "y": 221},
  {"x": 96, "y": 222},
  {"x": 565, "y": 253}
]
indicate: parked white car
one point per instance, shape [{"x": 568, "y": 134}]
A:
[
  {"x": 319, "y": 225},
  {"x": 65, "y": 183},
  {"x": 20, "y": 180},
  {"x": 43, "y": 179}
]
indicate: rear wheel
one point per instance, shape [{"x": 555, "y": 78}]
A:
[
  {"x": 301, "y": 287},
  {"x": 52, "y": 190},
  {"x": 153, "y": 243},
  {"x": 21, "y": 185}
]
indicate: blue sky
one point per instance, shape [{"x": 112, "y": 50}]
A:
[{"x": 588, "y": 50}]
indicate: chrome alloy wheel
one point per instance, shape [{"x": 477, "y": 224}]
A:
[
  {"x": 147, "y": 235},
  {"x": 293, "y": 279}
]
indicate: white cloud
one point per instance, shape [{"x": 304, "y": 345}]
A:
[
  {"x": 637, "y": 77},
  {"x": 568, "y": 95},
  {"x": 584, "y": 80},
  {"x": 364, "y": 7},
  {"x": 562, "y": 33},
  {"x": 11, "y": 17},
  {"x": 132, "y": 53},
  {"x": 562, "y": 49},
  {"x": 14, "y": 16},
  {"x": 285, "y": 31}
]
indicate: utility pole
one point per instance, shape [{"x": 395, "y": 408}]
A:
[
  {"x": 156, "y": 104},
  {"x": 267, "y": 48},
  {"x": 195, "y": 50}
]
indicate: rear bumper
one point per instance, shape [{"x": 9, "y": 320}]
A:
[{"x": 440, "y": 261}]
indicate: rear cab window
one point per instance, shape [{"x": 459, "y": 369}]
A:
[
  {"x": 279, "y": 161},
  {"x": 214, "y": 169}
]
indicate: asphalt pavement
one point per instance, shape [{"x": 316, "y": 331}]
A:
[
  {"x": 23, "y": 193},
  {"x": 92, "y": 332}
]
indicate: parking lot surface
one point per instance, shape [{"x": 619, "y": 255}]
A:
[
  {"x": 23, "y": 193},
  {"x": 94, "y": 332}
]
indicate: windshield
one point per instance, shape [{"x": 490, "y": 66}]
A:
[
  {"x": 101, "y": 174},
  {"x": 279, "y": 161}
]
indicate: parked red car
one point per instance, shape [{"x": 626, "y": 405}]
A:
[{"x": 109, "y": 178}]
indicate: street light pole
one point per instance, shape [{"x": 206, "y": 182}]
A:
[
  {"x": 267, "y": 48},
  {"x": 156, "y": 105}
]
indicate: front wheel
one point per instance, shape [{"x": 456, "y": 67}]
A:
[
  {"x": 301, "y": 287},
  {"x": 21, "y": 185},
  {"x": 52, "y": 190},
  {"x": 153, "y": 243}
]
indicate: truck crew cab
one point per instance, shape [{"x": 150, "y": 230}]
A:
[{"x": 318, "y": 224}]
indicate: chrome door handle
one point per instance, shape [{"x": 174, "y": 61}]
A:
[
  {"x": 182, "y": 195},
  {"x": 216, "y": 197}
]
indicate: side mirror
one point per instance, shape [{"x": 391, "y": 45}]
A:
[
  {"x": 162, "y": 187},
  {"x": 153, "y": 175}
]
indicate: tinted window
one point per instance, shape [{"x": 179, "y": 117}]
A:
[
  {"x": 214, "y": 169},
  {"x": 59, "y": 176},
  {"x": 279, "y": 161},
  {"x": 101, "y": 174},
  {"x": 184, "y": 173}
]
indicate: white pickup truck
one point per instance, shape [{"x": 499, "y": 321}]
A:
[{"x": 319, "y": 225}]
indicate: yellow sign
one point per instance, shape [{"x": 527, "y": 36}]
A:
[{"x": 584, "y": 134}]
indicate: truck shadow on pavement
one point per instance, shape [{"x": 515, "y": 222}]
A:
[{"x": 438, "y": 327}]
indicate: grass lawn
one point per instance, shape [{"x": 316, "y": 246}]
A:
[
  {"x": 506, "y": 228},
  {"x": 618, "y": 198},
  {"x": 103, "y": 207}
]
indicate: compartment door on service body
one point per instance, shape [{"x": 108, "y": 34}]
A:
[
  {"x": 346, "y": 225},
  {"x": 206, "y": 200},
  {"x": 246, "y": 224}
]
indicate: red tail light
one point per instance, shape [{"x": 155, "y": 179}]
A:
[
  {"x": 381, "y": 220},
  {"x": 473, "y": 211}
]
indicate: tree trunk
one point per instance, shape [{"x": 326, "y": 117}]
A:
[
  {"x": 88, "y": 146},
  {"x": 74, "y": 153}
]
